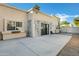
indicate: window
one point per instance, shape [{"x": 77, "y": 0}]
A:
[
  {"x": 12, "y": 25},
  {"x": 18, "y": 24}
]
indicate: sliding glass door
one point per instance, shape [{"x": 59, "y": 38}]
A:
[{"x": 44, "y": 29}]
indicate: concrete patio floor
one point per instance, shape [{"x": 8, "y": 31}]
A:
[
  {"x": 48, "y": 45},
  {"x": 72, "y": 48}
]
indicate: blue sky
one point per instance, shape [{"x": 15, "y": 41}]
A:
[{"x": 66, "y": 11}]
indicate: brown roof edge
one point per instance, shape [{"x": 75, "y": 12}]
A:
[{"x": 12, "y": 7}]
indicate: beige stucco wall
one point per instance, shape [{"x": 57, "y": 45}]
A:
[
  {"x": 13, "y": 14},
  {"x": 45, "y": 18},
  {"x": 12, "y": 36},
  {"x": 1, "y": 24},
  {"x": 7, "y": 13},
  {"x": 55, "y": 21}
]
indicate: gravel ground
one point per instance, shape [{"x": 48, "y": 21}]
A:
[{"x": 72, "y": 48}]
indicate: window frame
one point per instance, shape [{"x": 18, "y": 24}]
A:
[{"x": 11, "y": 24}]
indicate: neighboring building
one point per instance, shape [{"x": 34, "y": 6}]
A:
[{"x": 15, "y": 23}]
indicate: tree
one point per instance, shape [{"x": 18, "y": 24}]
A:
[
  {"x": 64, "y": 23},
  {"x": 37, "y": 7}
]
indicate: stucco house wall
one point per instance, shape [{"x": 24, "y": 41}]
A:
[
  {"x": 31, "y": 21},
  {"x": 37, "y": 17},
  {"x": 12, "y": 14}
]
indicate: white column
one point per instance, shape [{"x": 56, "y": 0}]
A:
[
  {"x": 33, "y": 28},
  {"x": 39, "y": 28}
]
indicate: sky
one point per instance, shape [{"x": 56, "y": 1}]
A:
[{"x": 66, "y": 11}]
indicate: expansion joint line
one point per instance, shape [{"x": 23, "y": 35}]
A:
[{"x": 29, "y": 48}]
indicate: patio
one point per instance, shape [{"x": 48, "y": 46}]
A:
[{"x": 48, "y": 45}]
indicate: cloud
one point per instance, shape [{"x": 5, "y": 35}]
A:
[
  {"x": 64, "y": 17},
  {"x": 76, "y": 16}
]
